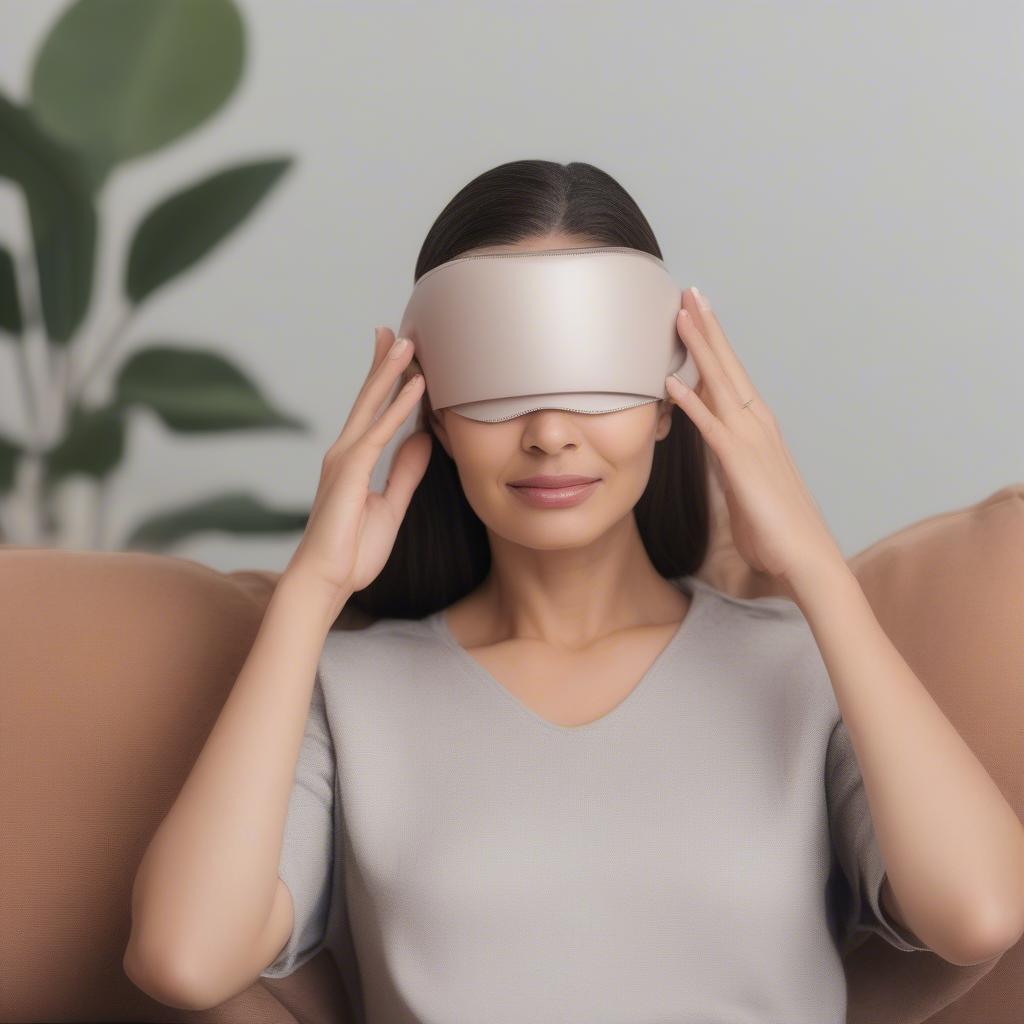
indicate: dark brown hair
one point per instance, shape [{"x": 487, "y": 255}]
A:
[{"x": 442, "y": 551}]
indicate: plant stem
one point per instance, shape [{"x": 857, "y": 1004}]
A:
[
  {"x": 30, "y": 304},
  {"x": 75, "y": 388}
]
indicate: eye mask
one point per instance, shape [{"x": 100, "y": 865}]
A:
[{"x": 592, "y": 330}]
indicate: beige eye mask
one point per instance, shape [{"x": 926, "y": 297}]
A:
[{"x": 498, "y": 335}]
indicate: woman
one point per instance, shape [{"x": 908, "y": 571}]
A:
[{"x": 559, "y": 777}]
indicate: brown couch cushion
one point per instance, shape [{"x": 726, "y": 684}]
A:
[{"x": 115, "y": 668}]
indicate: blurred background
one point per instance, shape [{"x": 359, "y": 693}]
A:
[{"x": 205, "y": 207}]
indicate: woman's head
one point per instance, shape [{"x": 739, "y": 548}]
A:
[
  {"x": 614, "y": 448},
  {"x": 650, "y": 459}
]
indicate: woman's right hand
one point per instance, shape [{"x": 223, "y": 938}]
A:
[{"x": 351, "y": 530}]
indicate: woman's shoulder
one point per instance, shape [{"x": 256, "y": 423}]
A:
[
  {"x": 770, "y": 629},
  {"x": 767, "y": 607},
  {"x": 374, "y": 639}
]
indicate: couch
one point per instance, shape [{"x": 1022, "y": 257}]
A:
[{"x": 116, "y": 665}]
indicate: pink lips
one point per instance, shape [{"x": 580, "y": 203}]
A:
[
  {"x": 570, "y": 490},
  {"x": 542, "y": 480}
]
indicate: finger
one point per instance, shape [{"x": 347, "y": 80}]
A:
[
  {"x": 411, "y": 369},
  {"x": 383, "y": 428},
  {"x": 383, "y": 337},
  {"x": 715, "y": 380},
  {"x": 706, "y": 421},
  {"x": 364, "y": 453},
  {"x": 374, "y": 393},
  {"x": 711, "y": 329}
]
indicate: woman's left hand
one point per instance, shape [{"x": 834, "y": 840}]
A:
[{"x": 775, "y": 522}]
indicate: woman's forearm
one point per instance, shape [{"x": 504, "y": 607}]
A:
[
  {"x": 206, "y": 885},
  {"x": 953, "y": 846}
]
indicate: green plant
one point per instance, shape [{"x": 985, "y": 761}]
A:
[{"x": 113, "y": 80}]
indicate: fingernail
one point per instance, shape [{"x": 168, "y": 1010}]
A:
[
  {"x": 399, "y": 347},
  {"x": 701, "y": 301}
]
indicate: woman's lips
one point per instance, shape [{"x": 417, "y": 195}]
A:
[
  {"x": 555, "y": 497},
  {"x": 553, "y": 480}
]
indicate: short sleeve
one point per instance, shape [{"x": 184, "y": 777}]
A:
[
  {"x": 858, "y": 897},
  {"x": 307, "y": 851}
]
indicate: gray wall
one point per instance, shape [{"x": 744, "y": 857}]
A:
[{"x": 843, "y": 181}]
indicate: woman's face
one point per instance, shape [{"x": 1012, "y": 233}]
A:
[{"x": 615, "y": 447}]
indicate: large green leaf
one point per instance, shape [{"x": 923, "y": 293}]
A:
[
  {"x": 195, "y": 390},
  {"x": 10, "y": 452},
  {"x": 233, "y": 512},
  {"x": 10, "y": 304},
  {"x": 119, "y": 78},
  {"x": 186, "y": 226},
  {"x": 63, "y": 218},
  {"x": 92, "y": 446}
]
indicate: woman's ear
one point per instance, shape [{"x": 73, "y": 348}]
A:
[
  {"x": 664, "y": 425},
  {"x": 438, "y": 427}
]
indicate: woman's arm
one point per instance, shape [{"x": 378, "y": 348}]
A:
[
  {"x": 952, "y": 845},
  {"x": 207, "y": 903}
]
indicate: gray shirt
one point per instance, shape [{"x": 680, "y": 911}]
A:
[{"x": 703, "y": 852}]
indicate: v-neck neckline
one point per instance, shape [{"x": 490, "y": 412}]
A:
[{"x": 699, "y": 596}]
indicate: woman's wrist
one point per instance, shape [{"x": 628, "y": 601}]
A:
[{"x": 317, "y": 596}]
